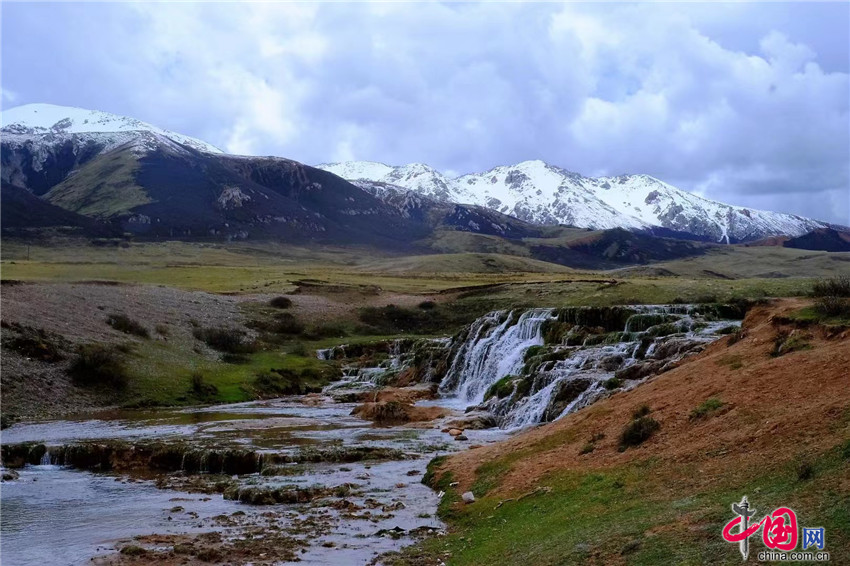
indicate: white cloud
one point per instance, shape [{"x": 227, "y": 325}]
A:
[{"x": 732, "y": 100}]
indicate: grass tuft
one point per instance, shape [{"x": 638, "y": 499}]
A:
[{"x": 125, "y": 324}]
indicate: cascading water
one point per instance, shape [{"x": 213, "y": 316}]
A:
[
  {"x": 576, "y": 367},
  {"x": 537, "y": 365},
  {"x": 494, "y": 349}
]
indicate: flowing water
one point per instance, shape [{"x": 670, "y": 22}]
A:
[
  {"x": 57, "y": 515},
  {"x": 576, "y": 369},
  {"x": 523, "y": 367}
]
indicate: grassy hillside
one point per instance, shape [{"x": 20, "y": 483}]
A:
[
  {"x": 741, "y": 261},
  {"x": 736, "y": 420},
  {"x": 106, "y": 187}
]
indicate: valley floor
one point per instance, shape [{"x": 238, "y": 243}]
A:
[{"x": 763, "y": 413}]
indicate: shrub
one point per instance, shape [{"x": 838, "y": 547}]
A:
[
  {"x": 587, "y": 448},
  {"x": 612, "y": 383},
  {"x": 281, "y": 302},
  {"x": 299, "y": 349},
  {"x": 125, "y": 324},
  {"x": 832, "y": 287},
  {"x": 35, "y": 343},
  {"x": 706, "y": 407},
  {"x": 99, "y": 364},
  {"x": 200, "y": 388},
  {"x": 641, "y": 411},
  {"x": 805, "y": 470},
  {"x": 285, "y": 323},
  {"x": 162, "y": 329},
  {"x": 229, "y": 340},
  {"x": 427, "y": 305},
  {"x": 638, "y": 431},
  {"x": 832, "y": 306}
]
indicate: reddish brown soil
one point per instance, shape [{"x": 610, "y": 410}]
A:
[
  {"x": 775, "y": 408},
  {"x": 399, "y": 413}
]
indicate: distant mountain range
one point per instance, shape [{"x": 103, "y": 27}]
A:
[
  {"x": 540, "y": 193},
  {"x": 76, "y": 171},
  {"x": 96, "y": 172}
]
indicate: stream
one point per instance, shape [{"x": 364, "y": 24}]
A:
[
  {"x": 59, "y": 515},
  {"x": 300, "y": 478}
]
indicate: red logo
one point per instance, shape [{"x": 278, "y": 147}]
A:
[{"x": 779, "y": 528}]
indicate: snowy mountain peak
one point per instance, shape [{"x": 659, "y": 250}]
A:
[
  {"x": 541, "y": 193},
  {"x": 42, "y": 119}
]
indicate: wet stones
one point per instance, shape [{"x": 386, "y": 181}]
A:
[
  {"x": 567, "y": 392},
  {"x": 261, "y": 495}
]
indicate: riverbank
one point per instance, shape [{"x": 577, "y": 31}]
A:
[{"x": 765, "y": 414}]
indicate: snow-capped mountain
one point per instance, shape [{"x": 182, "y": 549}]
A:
[
  {"x": 81, "y": 125},
  {"x": 540, "y": 193}
]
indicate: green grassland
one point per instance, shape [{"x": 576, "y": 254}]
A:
[
  {"x": 268, "y": 267},
  {"x": 161, "y": 374},
  {"x": 767, "y": 262},
  {"x": 631, "y": 514}
]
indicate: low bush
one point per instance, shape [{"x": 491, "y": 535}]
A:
[
  {"x": 201, "y": 389},
  {"x": 125, "y": 324},
  {"x": 281, "y": 302},
  {"x": 805, "y": 470},
  {"x": 612, "y": 383},
  {"x": 641, "y": 411},
  {"x": 832, "y": 287},
  {"x": 99, "y": 364},
  {"x": 34, "y": 343},
  {"x": 706, "y": 407},
  {"x": 223, "y": 339},
  {"x": 638, "y": 431},
  {"x": 833, "y": 306},
  {"x": 299, "y": 349},
  {"x": 427, "y": 305}
]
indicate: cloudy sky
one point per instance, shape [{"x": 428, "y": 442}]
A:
[{"x": 744, "y": 103}]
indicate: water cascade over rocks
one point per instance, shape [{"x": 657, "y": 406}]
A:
[
  {"x": 541, "y": 364},
  {"x": 531, "y": 366}
]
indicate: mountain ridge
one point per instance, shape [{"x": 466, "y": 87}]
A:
[{"x": 541, "y": 193}]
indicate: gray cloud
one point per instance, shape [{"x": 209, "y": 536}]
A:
[{"x": 745, "y": 103}]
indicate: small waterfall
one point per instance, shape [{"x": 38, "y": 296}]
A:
[
  {"x": 577, "y": 365},
  {"x": 45, "y": 458},
  {"x": 494, "y": 349}
]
